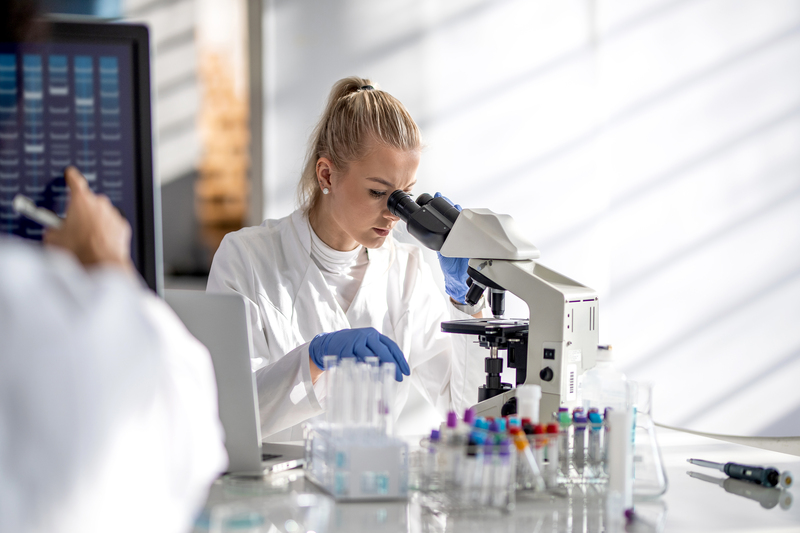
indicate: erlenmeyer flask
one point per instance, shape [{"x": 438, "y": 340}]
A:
[{"x": 649, "y": 477}]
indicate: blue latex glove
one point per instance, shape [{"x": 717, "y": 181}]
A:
[
  {"x": 454, "y": 268},
  {"x": 359, "y": 343}
]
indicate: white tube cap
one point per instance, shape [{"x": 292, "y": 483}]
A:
[{"x": 528, "y": 397}]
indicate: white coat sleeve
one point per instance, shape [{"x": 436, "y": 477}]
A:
[
  {"x": 286, "y": 394},
  {"x": 109, "y": 418},
  {"x": 232, "y": 272},
  {"x": 449, "y": 367}
]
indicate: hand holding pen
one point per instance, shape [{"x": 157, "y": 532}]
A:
[{"x": 93, "y": 229}]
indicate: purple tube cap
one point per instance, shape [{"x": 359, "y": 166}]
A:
[
  {"x": 452, "y": 419},
  {"x": 435, "y": 435},
  {"x": 469, "y": 416}
]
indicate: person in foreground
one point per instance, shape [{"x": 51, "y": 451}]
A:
[
  {"x": 108, "y": 413},
  {"x": 330, "y": 279}
]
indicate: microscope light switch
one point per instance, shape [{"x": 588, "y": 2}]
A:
[{"x": 549, "y": 353}]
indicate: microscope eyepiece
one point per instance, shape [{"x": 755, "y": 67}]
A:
[
  {"x": 424, "y": 198},
  {"x": 401, "y": 205}
]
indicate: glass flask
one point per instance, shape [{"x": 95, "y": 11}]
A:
[{"x": 649, "y": 476}]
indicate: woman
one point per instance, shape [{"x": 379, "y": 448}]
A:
[{"x": 329, "y": 279}]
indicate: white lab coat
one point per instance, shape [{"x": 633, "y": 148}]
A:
[
  {"x": 271, "y": 266},
  {"x": 108, "y": 412}
]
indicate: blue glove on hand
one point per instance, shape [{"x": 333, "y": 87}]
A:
[
  {"x": 359, "y": 343},
  {"x": 454, "y": 268}
]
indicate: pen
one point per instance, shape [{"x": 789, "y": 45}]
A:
[
  {"x": 768, "y": 477},
  {"x": 27, "y": 208}
]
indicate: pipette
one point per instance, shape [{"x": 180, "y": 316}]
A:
[
  {"x": 27, "y": 208},
  {"x": 766, "y": 476}
]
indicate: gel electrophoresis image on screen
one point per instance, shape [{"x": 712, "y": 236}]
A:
[{"x": 65, "y": 104}]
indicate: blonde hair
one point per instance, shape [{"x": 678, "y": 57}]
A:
[{"x": 357, "y": 115}]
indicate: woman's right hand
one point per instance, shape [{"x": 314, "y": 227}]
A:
[{"x": 359, "y": 343}]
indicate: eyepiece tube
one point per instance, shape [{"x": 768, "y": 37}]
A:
[
  {"x": 424, "y": 198},
  {"x": 401, "y": 205},
  {"x": 428, "y": 219}
]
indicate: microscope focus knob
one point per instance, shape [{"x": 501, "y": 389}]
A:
[{"x": 546, "y": 374}]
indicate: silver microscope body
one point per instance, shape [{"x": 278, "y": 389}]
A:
[{"x": 559, "y": 340}]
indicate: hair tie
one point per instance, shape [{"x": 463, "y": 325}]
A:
[{"x": 367, "y": 88}]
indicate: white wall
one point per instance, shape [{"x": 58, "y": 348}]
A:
[
  {"x": 651, "y": 148},
  {"x": 176, "y": 91}
]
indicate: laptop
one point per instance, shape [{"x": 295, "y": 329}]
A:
[{"x": 220, "y": 322}]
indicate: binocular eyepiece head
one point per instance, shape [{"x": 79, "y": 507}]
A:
[{"x": 428, "y": 219}]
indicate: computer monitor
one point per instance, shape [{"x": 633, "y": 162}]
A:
[{"x": 81, "y": 96}]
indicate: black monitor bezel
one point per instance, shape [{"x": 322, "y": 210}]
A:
[{"x": 136, "y": 36}]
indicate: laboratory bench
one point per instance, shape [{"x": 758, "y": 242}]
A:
[{"x": 287, "y": 502}]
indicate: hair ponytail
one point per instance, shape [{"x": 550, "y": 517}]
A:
[{"x": 357, "y": 114}]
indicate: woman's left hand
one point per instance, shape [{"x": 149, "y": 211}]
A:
[{"x": 454, "y": 269}]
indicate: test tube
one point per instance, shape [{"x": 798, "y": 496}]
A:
[
  {"x": 620, "y": 457},
  {"x": 361, "y": 395},
  {"x": 475, "y": 482},
  {"x": 453, "y": 449},
  {"x": 553, "y": 435},
  {"x": 563, "y": 434},
  {"x": 539, "y": 443},
  {"x": 347, "y": 383},
  {"x": 595, "y": 441},
  {"x": 606, "y": 412},
  {"x": 525, "y": 457},
  {"x": 432, "y": 477},
  {"x": 579, "y": 442},
  {"x": 487, "y": 474},
  {"x": 388, "y": 381},
  {"x": 373, "y": 386},
  {"x": 504, "y": 467},
  {"x": 329, "y": 363},
  {"x": 468, "y": 466}
]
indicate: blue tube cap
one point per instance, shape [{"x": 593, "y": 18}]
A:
[{"x": 595, "y": 418}]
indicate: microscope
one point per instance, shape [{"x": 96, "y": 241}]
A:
[{"x": 559, "y": 340}]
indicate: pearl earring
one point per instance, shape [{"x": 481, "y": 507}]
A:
[{"x": 325, "y": 190}]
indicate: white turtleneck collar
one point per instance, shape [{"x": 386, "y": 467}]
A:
[{"x": 343, "y": 271}]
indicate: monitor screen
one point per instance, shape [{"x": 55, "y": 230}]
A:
[{"x": 80, "y": 97}]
